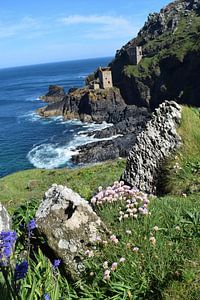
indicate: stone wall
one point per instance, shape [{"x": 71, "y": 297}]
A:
[{"x": 152, "y": 147}]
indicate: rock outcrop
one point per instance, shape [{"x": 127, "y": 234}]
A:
[
  {"x": 5, "y": 220},
  {"x": 152, "y": 147},
  {"x": 55, "y": 94},
  {"x": 88, "y": 105},
  {"x": 70, "y": 226},
  {"x": 118, "y": 139}
]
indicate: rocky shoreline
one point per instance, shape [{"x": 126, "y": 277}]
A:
[{"x": 98, "y": 106}]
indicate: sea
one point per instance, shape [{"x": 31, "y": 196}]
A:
[{"x": 28, "y": 141}]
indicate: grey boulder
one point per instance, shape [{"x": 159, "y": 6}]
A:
[{"x": 70, "y": 226}]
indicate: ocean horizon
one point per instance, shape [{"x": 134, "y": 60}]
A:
[{"x": 27, "y": 140}]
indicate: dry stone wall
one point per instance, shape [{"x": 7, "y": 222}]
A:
[{"x": 152, "y": 147}]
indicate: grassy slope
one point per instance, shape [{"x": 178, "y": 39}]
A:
[
  {"x": 169, "y": 270},
  {"x": 31, "y": 184},
  {"x": 187, "y": 178}
]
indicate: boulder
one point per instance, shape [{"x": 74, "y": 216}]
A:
[
  {"x": 152, "y": 147},
  {"x": 70, "y": 226},
  {"x": 5, "y": 220}
]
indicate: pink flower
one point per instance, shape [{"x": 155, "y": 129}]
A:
[
  {"x": 122, "y": 260},
  {"x": 114, "y": 266},
  {"x": 135, "y": 249},
  {"x": 114, "y": 239},
  {"x": 89, "y": 253},
  {"x": 106, "y": 275}
]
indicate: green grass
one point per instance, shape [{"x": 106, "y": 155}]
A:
[
  {"x": 187, "y": 179},
  {"x": 30, "y": 185}
]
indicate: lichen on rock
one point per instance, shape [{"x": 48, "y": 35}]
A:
[{"x": 69, "y": 225}]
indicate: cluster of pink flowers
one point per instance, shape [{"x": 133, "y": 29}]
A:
[
  {"x": 113, "y": 267},
  {"x": 136, "y": 202}
]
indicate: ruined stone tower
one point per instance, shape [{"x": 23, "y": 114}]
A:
[
  {"x": 105, "y": 78},
  {"x": 135, "y": 55}
]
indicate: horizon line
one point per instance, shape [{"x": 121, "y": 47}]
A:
[{"x": 47, "y": 63}]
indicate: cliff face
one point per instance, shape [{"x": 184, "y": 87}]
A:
[
  {"x": 89, "y": 106},
  {"x": 171, "y": 58}
]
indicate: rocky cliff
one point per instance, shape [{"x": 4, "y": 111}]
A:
[{"x": 171, "y": 58}]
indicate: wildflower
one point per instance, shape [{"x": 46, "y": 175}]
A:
[
  {"x": 56, "y": 263},
  {"x": 46, "y": 297},
  {"x": 178, "y": 228},
  {"x": 128, "y": 232},
  {"x": 120, "y": 218},
  {"x": 89, "y": 253},
  {"x": 7, "y": 240},
  {"x": 105, "y": 264},
  {"x": 114, "y": 239},
  {"x": 114, "y": 266},
  {"x": 106, "y": 275},
  {"x": 155, "y": 228},
  {"x": 100, "y": 188},
  {"x": 98, "y": 239},
  {"x": 21, "y": 270},
  {"x": 104, "y": 243},
  {"x": 122, "y": 260},
  {"x": 152, "y": 240},
  {"x": 135, "y": 249},
  {"x": 31, "y": 225}
]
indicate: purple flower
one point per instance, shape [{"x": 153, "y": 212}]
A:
[
  {"x": 21, "y": 270},
  {"x": 56, "y": 263},
  {"x": 7, "y": 240},
  {"x": 31, "y": 225},
  {"x": 46, "y": 297}
]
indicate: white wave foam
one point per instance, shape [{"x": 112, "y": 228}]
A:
[
  {"x": 95, "y": 127},
  {"x": 50, "y": 156}
]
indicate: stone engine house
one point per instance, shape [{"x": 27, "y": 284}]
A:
[
  {"x": 135, "y": 55},
  {"x": 103, "y": 79}
]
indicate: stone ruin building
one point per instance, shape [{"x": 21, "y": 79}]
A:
[
  {"x": 135, "y": 55},
  {"x": 103, "y": 79}
]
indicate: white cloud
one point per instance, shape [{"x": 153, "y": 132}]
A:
[
  {"x": 26, "y": 24},
  {"x": 94, "y": 19},
  {"x": 105, "y": 27},
  {"x": 101, "y": 27}
]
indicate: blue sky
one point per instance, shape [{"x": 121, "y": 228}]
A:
[{"x": 40, "y": 31}]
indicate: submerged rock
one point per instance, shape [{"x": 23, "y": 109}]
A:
[
  {"x": 5, "y": 220},
  {"x": 152, "y": 147},
  {"x": 70, "y": 226}
]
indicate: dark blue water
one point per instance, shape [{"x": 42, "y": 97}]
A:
[{"x": 26, "y": 140}]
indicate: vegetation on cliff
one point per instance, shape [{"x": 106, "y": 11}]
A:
[{"x": 170, "y": 42}]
